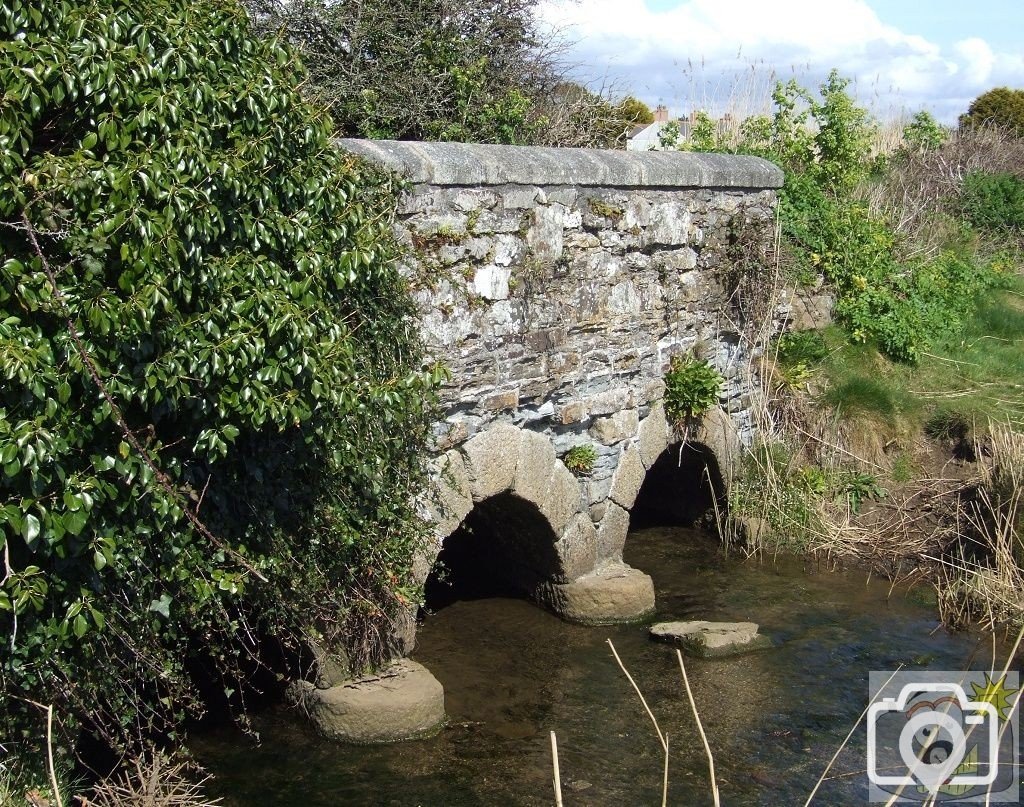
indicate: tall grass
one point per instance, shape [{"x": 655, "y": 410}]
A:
[{"x": 984, "y": 578}]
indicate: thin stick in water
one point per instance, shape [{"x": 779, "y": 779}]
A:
[
  {"x": 664, "y": 783},
  {"x": 557, "y": 775},
  {"x": 700, "y": 728},
  {"x": 839, "y": 750},
  {"x": 650, "y": 714}
]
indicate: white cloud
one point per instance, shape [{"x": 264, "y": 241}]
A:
[
  {"x": 977, "y": 58},
  {"x": 700, "y": 52}
]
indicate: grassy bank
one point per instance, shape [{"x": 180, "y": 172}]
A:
[
  {"x": 893, "y": 437},
  {"x": 916, "y": 470}
]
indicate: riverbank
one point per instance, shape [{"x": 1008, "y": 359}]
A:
[{"x": 910, "y": 470}]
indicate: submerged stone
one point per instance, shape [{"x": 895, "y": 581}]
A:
[{"x": 710, "y": 639}]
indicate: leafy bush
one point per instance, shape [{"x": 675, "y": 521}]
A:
[
  {"x": 417, "y": 71},
  {"x": 691, "y": 388},
  {"x": 993, "y": 201},
  {"x": 924, "y": 133},
  {"x": 1000, "y": 107},
  {"x": 580, "y": 459},
  {"x": 824, "y": 147},
  {"x": 212, "y": 410},
  {"x": 460, "y": 70}
]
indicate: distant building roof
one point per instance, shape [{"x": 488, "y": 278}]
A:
[{"x": 645, "y": 138}]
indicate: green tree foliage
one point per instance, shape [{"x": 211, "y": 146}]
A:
[
  {"x": 635, "y": 111},
  {"x": 459, "y": 70},
  {"x": 404, "y": 69},
  {"x": 212, "y": 408},
  {"x": 1001, "y": 107}
]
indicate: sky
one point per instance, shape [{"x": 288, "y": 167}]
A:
[{"x": 724, "y": 55}]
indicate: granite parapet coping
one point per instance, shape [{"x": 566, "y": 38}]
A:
[{"x": 480, "y": 164}]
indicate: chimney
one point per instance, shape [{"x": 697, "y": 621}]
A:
[{"x": 661, "y": 114}]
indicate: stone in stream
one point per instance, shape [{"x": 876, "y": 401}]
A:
[
  {"x": 398, "y": 703},
  {"x": 710, "y": 639}
]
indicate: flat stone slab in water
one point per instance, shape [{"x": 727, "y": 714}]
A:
[{"x": 710, "y": 639}]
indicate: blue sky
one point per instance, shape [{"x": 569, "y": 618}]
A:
[
  {"x": 902, "y": 55},
  {"x": 998, "y": 22}
]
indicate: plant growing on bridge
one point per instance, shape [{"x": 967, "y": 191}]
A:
[
  {"x": 692, "y": 387},
  {"x": 580, "y": 459},
  {"x": 211, "y": 410}
]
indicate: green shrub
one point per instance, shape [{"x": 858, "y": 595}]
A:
[
  {"x": 856, "y": 487},
  {"x": 823, "y": 145},
  {"x": 993, "y": 202},
  {"x": 691, "y": 389},
  {"x": 580, "y": 459},
  {"x": 924, "y": 133},
  {"x": 212, "y": 410},
  {"x": 1000, "y": 107},
  {"x": 801, "y": 347}
]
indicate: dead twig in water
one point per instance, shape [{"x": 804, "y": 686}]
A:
[
  {"x": 839, "y": 750},
  {"x": 700, "y": 728},
  {"x": 650, "y": 714}
]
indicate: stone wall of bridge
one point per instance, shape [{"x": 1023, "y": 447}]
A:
[{"x": 556, "y": 285}]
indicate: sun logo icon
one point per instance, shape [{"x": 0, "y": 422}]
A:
[{"x": 998, "y": 694}]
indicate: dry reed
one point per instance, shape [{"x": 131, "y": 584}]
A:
[
  {"x": 703, "y": 737},
  {"x": 984, "y": 578},
  {"x": 663, "y": 738},
  {"x": 556, "y": 775}
]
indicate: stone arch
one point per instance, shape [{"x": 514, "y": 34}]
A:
[
  {"x": 659, "y": 465},
  {"x": 520, "y": 471},
  {"x": 504, "y": 547},
  {"x": 508, "y": 470},
  {"x": 682, "y": 488}
]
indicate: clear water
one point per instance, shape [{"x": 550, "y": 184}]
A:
[{"x": 512, "y": 673}]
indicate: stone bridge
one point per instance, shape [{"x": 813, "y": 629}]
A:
[{"x": 557, "y": 285}]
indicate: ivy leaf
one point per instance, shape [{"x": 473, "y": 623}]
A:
[{"x": 162, "y": 606}]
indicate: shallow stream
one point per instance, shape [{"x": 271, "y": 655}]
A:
[{"x": 513, "y": 672}]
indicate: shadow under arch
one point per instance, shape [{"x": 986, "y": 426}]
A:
[
  {"x": 505, "y": 547},
  {"x": 681, "y": 489}
]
